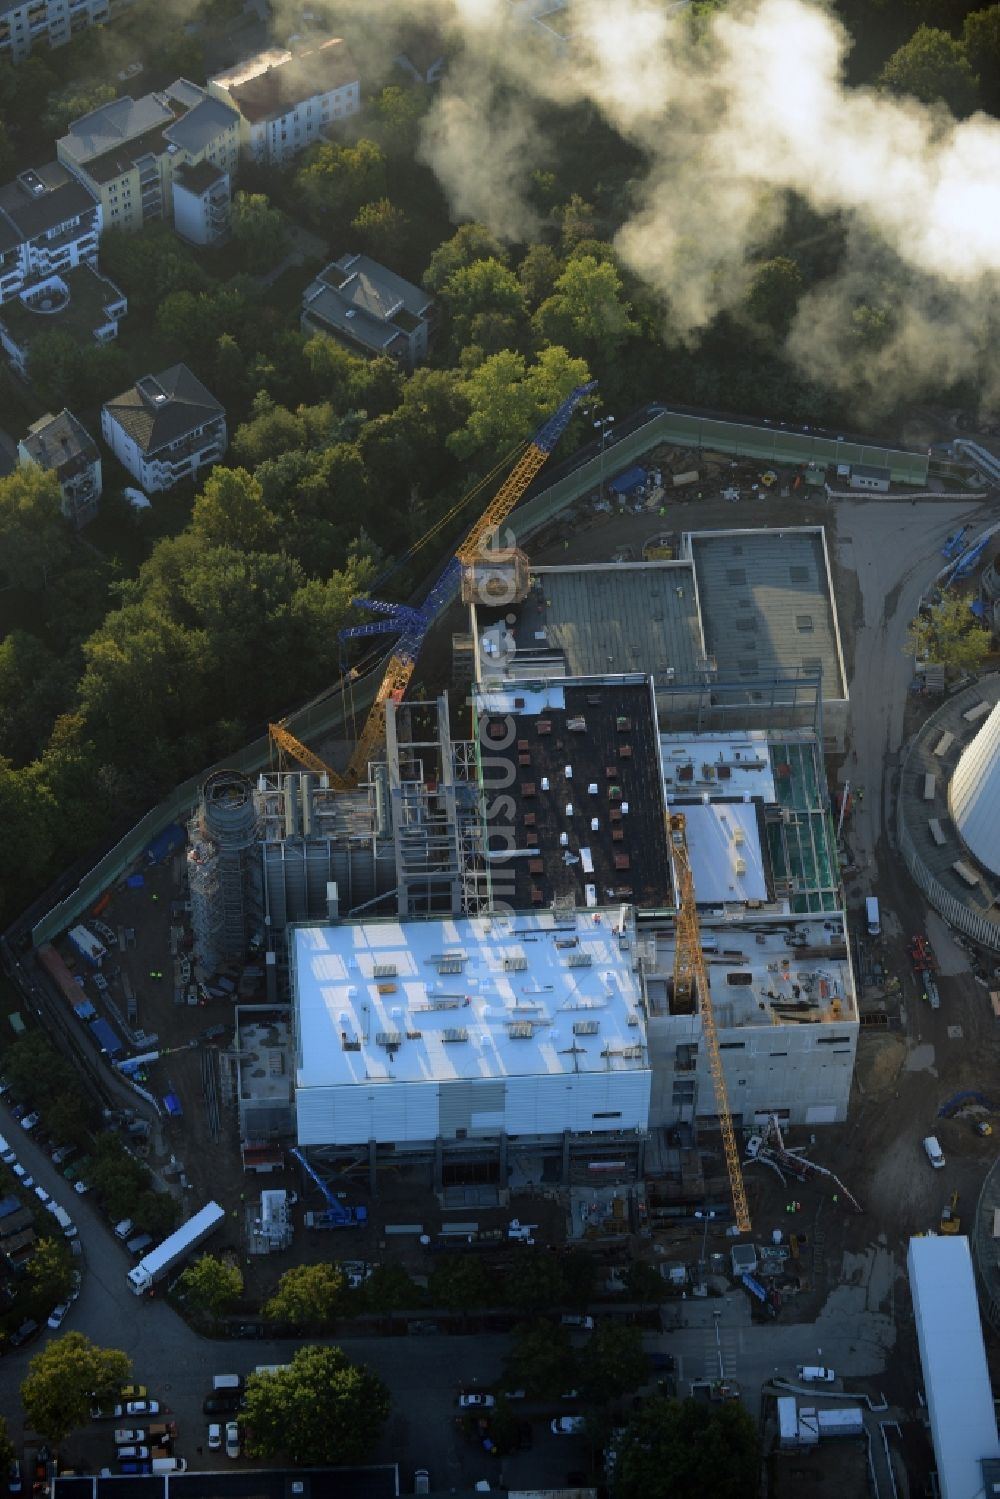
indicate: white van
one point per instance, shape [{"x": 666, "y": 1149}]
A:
[
  {"x": 934, "y": 1152},
  {"x": 815, "y": 1374},
  {"x": 226, "y": 1382},
  {"x": 874, "y": 924},
  {"x": 7, "y": 1155},
  {"x": 169, "y": 1464}
]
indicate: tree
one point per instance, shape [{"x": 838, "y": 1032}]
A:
[
  {"x": 259, "y": 230},
  {"x": 270, "y": 431},
  {"x": 389, "y": 1289},
  {"x": 29, "y": 816},
  {"x": 538, "y": 273},
  {"x": 50, "y": 1272},
  {"x": 541, "y": 1361},
  {"x": 539, "y": 1281},
  {"x": 508, "y": 398},
  {"x": 382, "y": 229},
  {"x": 334, "y": 181},
  {"x": 69, "y": 1376},
  {"x": 933, "y": 66},
  {"x": 644, "y": 1282},
  {"x": 772, "y": 297},
  {"x": 72, "y": 104},
  {"x": 948, "y": 634},
  {"x": 587, "y": 309},
  {"x": 981, "y": 40},
  {"x": 211, "y": 1286},
  {"x": 8, "y": 160},
  {"x": 612, "y": 1363},
  {"x": 469, "y": 243},
  {"x": 460, "y": 1283},
  {"x": 394, "y": 116},
  {"x": 308, "y": 1296},
  {"x": 320, "y": 1410},
  {"x": 685, "y": 1449},
  {"x": 34, "y": 537},
  {"x": 579, "y": 222},
  {"x": 54, "y": 368},
  {"x": 35, "y": 687},
  {"x": 230, "y": 511},
  {"x": 485, "y": 286}
]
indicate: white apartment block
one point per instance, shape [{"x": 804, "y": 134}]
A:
[
  {"x": 165, "y": 428},
  {"x": 25, "y": 23},
  {"x": 49, "y": 222},
  {"x": 287, "y": 100},
  {"x": 61, "y": 443}
]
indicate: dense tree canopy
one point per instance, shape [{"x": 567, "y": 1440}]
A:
[
  {"x": 933, "y": 66},
  {"x": 65, "y": 1379},
  {"x": 318, "y": 1410},
  {"x": 685, "y": 1449}
]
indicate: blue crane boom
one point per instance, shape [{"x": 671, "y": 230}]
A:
[{"x": 337, "y": 1213}]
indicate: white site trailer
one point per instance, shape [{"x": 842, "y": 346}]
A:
[{"x": 161, "y": 1260}]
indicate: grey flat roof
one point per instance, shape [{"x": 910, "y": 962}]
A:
[
  {"x": 767, "y": 604},
  {"x": 615, "y": 617}
]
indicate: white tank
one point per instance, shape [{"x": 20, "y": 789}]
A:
[{"x": 974, "y": 795}]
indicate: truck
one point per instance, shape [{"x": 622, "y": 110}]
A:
[
  {"x": 87, "y": 945},
  {"x": 63, "y": 1219},
  {"x": 337, "y": 1214},
  {"x": 161, "y": 1260}
]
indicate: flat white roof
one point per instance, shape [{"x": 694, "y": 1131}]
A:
[
  {"x": 725, "y": 764},
  {"x": 727, "y": 863},
  {"x": 953, "y": 1360},
  {"x": 467, "y": 998}
]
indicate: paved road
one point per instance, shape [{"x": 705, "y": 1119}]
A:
[{"x": 895, "y": 551}]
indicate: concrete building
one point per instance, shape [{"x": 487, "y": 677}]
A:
[
  {"x": 202, "y": 201},
  {"x": 287, "y": 100},
  {"x": 453, "y": 1035},
  {"x": 80, "y": 302},
  {"x": 974, "y": 794},
  {"x": 750, "y": 614},
  {"x": 49, "y": 223},
  {"x": 956, "y": 1378},
  {"x": 128, "y": 153},
  {"x": 63, "y": 444},
  {"x": 165, "y": 428},
  {"x": 26, "y": 23},
  {"x": 369, "y": 309}
]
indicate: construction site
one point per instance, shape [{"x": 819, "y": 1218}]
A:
[{"x": 570, "y": 944}]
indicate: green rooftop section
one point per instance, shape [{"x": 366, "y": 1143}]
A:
[
  {"x": 85, "y": 310},
  {"x": 803, "y": 847}
]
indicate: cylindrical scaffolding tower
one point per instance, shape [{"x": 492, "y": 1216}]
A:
[{"x": 223, "y": 869}]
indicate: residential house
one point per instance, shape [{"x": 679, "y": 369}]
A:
[
  {"x": 23, "y": 23},
  {"x": 80, "y": 302},
  {"x": 287, "y": 99},
  {"x": 165, "y": 428},
  {"x": 371, "y": 310},
  {"x": 48, "y": 222},
  {"x": 63, "y": 444},
  {"x": 130, "y": 152}
]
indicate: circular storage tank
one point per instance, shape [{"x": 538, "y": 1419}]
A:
[{"x": 974, "y": 795}]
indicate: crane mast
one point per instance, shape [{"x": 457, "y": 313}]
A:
[
  {"x": 690, "y": 985},
  {"x": 411, "y": 624}
]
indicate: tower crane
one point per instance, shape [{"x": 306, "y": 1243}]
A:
[
  {"x": 411, "y": 624},
  {"x": 691, "y": 985}
]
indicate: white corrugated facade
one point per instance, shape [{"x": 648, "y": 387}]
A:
[
  {"x": 469, "y": 1028},
  {"x": 974, "y": 794}
]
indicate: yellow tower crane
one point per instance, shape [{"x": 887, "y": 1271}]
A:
[{"x": 691, "y": 987}]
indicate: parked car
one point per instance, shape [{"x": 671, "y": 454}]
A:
[
  {"x": 220, "y": 1405},
  {"x": 934, "y": 1152},
  {"x": 80, "y": 1187},
  {"x": 42, "y": 1195},
  {"x": 75, "y": 1284},
  {"x": 127, "y": 1436},
  {"x": 138, "y": 1408},
  {"x": 232, "y": 1439},
  {"x": 19, "y": 1110},
  {"x": 57, "y": 1314},
  {"x": 476, "y": 1402},
  {"x": 133, "y": 1454},
  {"x": 22, "y": 1175},
  {"x": 573, "y": 1321},
  {"x": 421, "y": 1481},
  {"x": 30, "y": 1120},
  {"x": 815, "y": 1374},
  {"x": 568, "y": 1426},
  {"x": 24, "y": 1332},
  {"x": 214, "y": 1436},
  {"x": 14, "y": 1476},
  {"x": 133, "y": 1391},
  {"x": 7, "y": 1155},
  {"x": 135, "y": 1468}
]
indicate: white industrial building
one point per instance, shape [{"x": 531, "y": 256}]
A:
[
  {"x": 455, "y": 1030},
  {"x": 953, "y": 1362},
  {"x": 974, "y": 794}
]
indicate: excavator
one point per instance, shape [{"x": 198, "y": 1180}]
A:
[{"x": 411, "y": 624}]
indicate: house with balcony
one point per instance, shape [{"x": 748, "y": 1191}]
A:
[
  {"x": 49, "y": 222},
  {"x": 286, "y": 100},
  {"x": 26, "y": 23},
  {"x": 63, "y": 444},
  {"x": 202, "y": 202},
  {"x": 129, "y": 154},
  {"x": 369, "y": 309},
  {"x": 79, "y": 302},
  {"x": 165, "y": 428}
]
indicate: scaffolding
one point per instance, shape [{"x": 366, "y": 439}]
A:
[{"x": 223, "y": 872}]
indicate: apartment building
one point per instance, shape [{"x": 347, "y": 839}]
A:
[
  {"x": 165, "y": 428},
  {"x": 25, "y": 23},
  {"x": 49, "y": 222},
  {"x": 369, "y": 309},
  {"x": 63, "y": 444},
  {"x": 80, "y": 302},
  {"x": 130, "y": 153},
  {"x": 286, "y": 99}
]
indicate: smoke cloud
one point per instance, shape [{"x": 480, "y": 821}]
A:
[{"x": 730, "y": 118}]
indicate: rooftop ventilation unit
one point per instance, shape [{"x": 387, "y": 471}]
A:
[
  {"x": 391, "y": 1040},
  {"x": 515, "y": 963},
  {"x": 580, "y": 960},
  {"x": 384, "y": 971},
  {"x": 586, "y": 1027},
  {"x": 455, "y": 1033},
  {"x": 450, "y": 965},
  {"x": 520, "y": 1030}
]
